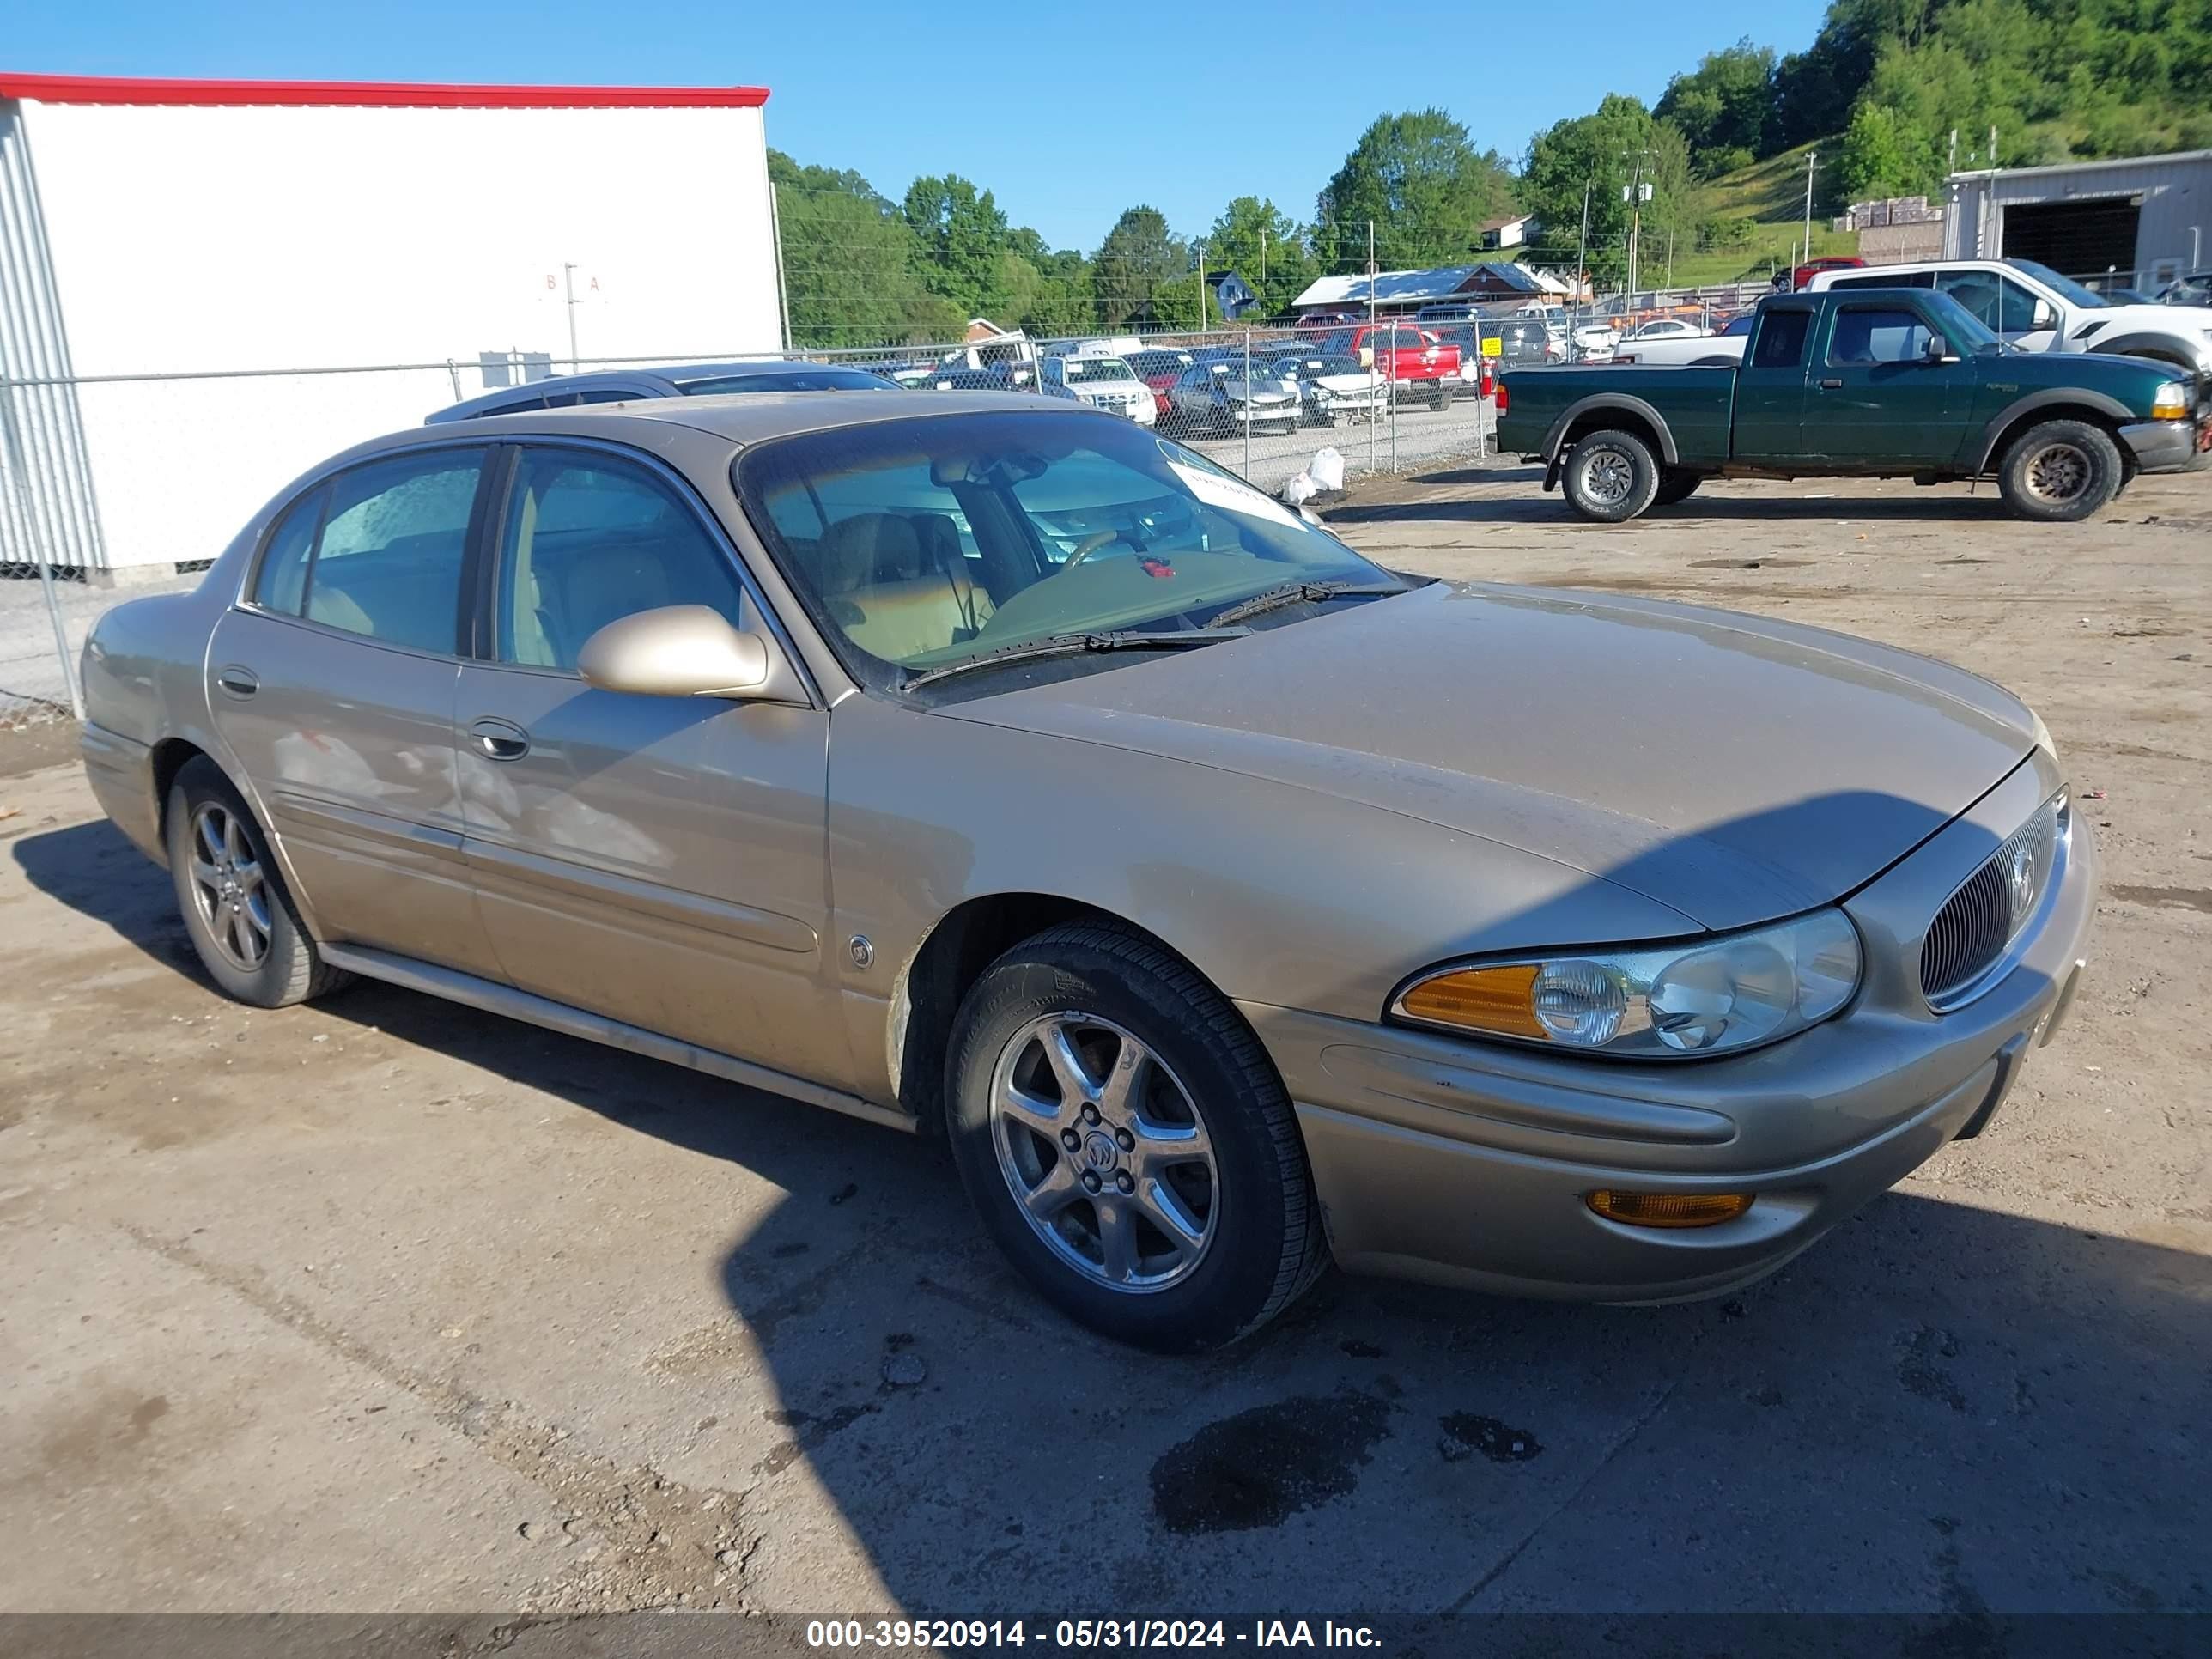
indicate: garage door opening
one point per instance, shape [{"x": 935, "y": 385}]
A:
[{"x": 2080, "y": 238}]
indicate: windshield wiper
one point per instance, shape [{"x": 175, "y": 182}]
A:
[
  {"x": 1298, "y": 593},
  {"x": 1073, "y": 645}
]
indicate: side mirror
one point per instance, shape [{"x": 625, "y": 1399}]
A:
[
  {"x": 2042, "y": 316},
  {"x": 1938, "y": 350},
  {"x": 676, "y": 651}
]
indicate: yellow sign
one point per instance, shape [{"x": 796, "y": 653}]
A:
[{"x": 1494, "y": 348}]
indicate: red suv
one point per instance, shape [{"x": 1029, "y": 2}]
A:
[{"x": 1812, "y": 267}]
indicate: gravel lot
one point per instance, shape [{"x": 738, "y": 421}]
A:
[{"x": 383, "y": 1304}]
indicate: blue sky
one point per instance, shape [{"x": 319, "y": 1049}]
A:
[{"x": 1069, "y": 113}]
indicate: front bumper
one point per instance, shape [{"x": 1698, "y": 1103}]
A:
[
  {"x": 1469, "y": 1164},
  {"x": 2169, "y": 446}
]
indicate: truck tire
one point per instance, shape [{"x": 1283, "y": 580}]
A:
[
  {"x": 1611, "y": 476},
  {"x": 1675, "y": 484},
  {"x": 2060, "y": 471},
  {"x": 1441, "y": 398}
]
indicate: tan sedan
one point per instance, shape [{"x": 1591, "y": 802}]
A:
[{"x": 1012, "y": 775}]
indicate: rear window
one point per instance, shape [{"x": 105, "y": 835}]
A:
[
  {"x": 792, "y": 379},
  {"x": 1781, "y": 342}
]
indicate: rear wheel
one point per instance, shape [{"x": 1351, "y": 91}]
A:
[
  {"x": 2060, "y": 471},
  {"x": 1441, "y": 398},
  {"x": 242, "y": 923},
  {"x": 1127, "y": 1142},
  {"x": 1675, "y": 484},
  {"x": 1611, "y": 476}
]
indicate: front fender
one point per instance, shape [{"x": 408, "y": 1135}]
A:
[{"x": 1980, "y": 447}]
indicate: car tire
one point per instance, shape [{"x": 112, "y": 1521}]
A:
[
  {"x": 1441, "y": 398},
  {"x": 1219, "y": 1230},
  {"x": 2060, "y": 471},
  {"x": 242, "y": 921},
  {"x": 1610, "y": 476},
  {"x": 1675, "y": 484}
]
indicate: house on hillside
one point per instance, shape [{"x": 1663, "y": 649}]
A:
[{"x": 1510, "y": 232}]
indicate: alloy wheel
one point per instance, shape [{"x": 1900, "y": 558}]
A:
[
  {"x": 1608, "y": 477},
  {"x": 229, "y": 889},
  {"x": 1105, "y": 1152},
  {"x": 2057, "y": 473}
]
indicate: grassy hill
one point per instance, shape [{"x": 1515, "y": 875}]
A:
[{"x": 1770, "y": 196}]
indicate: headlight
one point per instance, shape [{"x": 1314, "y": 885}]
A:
[
  {"x": 2169, "y": 402},
  {"x": 1701, "y": 997}
]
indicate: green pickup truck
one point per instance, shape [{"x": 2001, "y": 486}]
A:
[{"x": 1865, "y": 383}]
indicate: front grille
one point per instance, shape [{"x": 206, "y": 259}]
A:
[{"x": 1980, "y": 921}]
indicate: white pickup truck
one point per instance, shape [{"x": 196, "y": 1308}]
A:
[{"x": 2034, "y": 308}]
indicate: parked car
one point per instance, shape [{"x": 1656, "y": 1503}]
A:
[
  {"x": 1400, "y": 353},
  {"x": 1333, "y": 389},
  {"x": 1456, "y": 312},
  {"x": 1706, "y": 350},
  {"x": 1159, "y": 368},
  {"x": 1212, "y": 396},
  {"x": 733, "y": 759},
  {"x": 999, "y": 377},
  {"x": 2033, "y": 308},
  {"x": 1667, "y": 328},
  {"x": 683, "y": 380},
  {"x": 1804, "y": 274},
  {"x": 1876, "y": 383},
  {"x": 1104, "y": 382},
  {"x": 909, "y": 374},
  {"x": 1596, "y": 343}
]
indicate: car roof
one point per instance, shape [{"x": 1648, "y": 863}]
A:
[
  {"x": 742, "y": 419},
  {"x": 649, "y": 381}
]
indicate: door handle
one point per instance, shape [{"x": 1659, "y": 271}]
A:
[
  {"x": 500, "y": 740},
  {"x": 239, "y": 682},
  {"x": 1831, "y": 386}
]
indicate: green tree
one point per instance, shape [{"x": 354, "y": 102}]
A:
[
  {"x": 849, "y": 263},
  {"x": 1722, "y": 107},
  {"x": 1424, "y": 186},
  {"x": 1138, "y": 254},
  {"x": 1882, "y": 155},
  {"x": 959, "y": 235},
  {"x": 1265, "y": 247},
  {"x": 1617, "y": 147}
]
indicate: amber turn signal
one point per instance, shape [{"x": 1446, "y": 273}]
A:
[
  {"x": 1496, "y": 1000},
  {"x": 1669, "y": 1209}
]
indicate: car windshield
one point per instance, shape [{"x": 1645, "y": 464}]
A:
[
  {"x": 798, "y": 378},
  {"x": 920, "y": 543},
  {"x": 1076, "y": 371},
  {"x": 1966, "y": 331},
  {"x": 2074, "y": 294}
]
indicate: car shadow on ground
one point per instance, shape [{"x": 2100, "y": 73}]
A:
[
  {"x": 1939, "y": 1408},
  {"x": 1539, "y": 508}
]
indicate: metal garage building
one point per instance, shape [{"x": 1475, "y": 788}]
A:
[
  {"x": 2147, "y": 218},
  {"x": 154, "y": 231}
]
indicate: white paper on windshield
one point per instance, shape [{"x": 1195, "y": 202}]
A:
[{"x": 1231, "y": 496}]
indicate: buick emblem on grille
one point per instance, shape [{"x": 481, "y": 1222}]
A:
[{"x": 2020, "y": 884}]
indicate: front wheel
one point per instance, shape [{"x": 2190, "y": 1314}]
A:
[
  {"x": 1610, "y": 476},
  {"x": 1675, "y": 484},
  {"x": 2060, "y": 471},
  {"x": 1127, "y": 1143}
]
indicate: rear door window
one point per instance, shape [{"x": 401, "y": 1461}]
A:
[
  {"x": 387, "y": 564},
  {"x": 1781, "y": 342}
]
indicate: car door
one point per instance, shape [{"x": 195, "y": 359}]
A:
[
  {"x": 658, "y": 861},
  {"x": 1876, "y": 400},
  {"x": 2004, "y": 306},
  {"x": 1769, "y": 386},
  {"x": 332, "y": 683}
]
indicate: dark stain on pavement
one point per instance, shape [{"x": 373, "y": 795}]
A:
[
  {"x": 1262, "y": 1466},
  {"x": 1466, "y": 1433},
  {"x": 1921, "y": 1369},
  {"x": 2180, "y": 898}
]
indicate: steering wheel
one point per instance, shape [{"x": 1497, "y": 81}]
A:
[{"x": 1089, "y": 545}]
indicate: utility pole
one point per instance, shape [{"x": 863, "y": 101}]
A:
[
  {"x": 569, "y": 287},
  {"x": 1811, "y": 157},
  {"x": 1201, "y": 287},
  {"x": 1635, "y": 213},
  {"x": 1390, "y": 390},
  {"x": 1582, "y": 264},
  {"x": 1263, "y": 259}
]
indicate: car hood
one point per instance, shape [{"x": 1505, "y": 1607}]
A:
[
  {"x": 1734, "y": 768},
  {"x": 2126, "y": 319}
]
